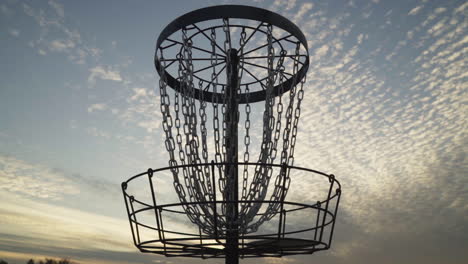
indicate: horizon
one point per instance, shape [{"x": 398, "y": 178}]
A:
[{"x": 385, "y": 110}]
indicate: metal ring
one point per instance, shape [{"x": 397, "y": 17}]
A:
[{"x": 239, "y": 12}]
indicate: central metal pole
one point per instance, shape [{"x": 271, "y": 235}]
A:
[{"x": 232, "y": 196}]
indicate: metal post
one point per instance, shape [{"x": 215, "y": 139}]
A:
[{"x": 232, "y": 120}]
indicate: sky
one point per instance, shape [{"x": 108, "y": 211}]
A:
[{"x": 385, "y": 110}]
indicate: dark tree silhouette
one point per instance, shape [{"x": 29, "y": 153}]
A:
[
  {"x": 53, "y": 261},
  {"x": 46, "y": 261}
]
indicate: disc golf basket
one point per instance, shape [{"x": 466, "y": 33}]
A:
[{"x": 231, "y": 88}]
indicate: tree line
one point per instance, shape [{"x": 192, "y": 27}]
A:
[{"x": 45, "y": 261}]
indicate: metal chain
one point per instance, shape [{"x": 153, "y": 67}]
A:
[
  {"x": 169, "y": 142},
  {"x": 189, "y": 125},
  {"x": 204, "y": 133},
  {"x": 279, "y": 190},
  {"x": 246, "y": 158},
  {"x": 214, "y": 83},
  {"x": 227, "y": 47},
  {"x": 193, "y": 184},
  {"x": 262, "y": 175}
]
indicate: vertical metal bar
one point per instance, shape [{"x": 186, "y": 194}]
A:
[
  {"x": 124, "y": 188},
  {"x": 338, "y": 192},
  {"x": 284, "y": 222},
  {"x": 201, "y": 243},
  {"x": 331, "y": 179},
  {"x": 319, "y": 206},
  {"x": 153, "y": 196},
  {"x": 163, "y": 239},
  {"x": 280, "y": 224},
  {"x": 232, "y": 196},
  {"x": 134, "y": 219},
  {"x": 215, "y": 205}
]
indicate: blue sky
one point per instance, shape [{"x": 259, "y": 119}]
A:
[{"x": 384, "y": 110}]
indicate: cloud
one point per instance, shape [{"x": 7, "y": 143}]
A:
[
  {"x": 55, "y": 34},
  {"x": 59, "y": 226},
  {"x": 103, "y": 73},
  {"x": 14, "y": 32},
  {"x": 33, "y": 180},
  {"x": 291, "y": 4},
  {"x": 96, "y": 132},
  {"x": 415, "y": 10},
  {"x": 388, "y": 150},
  {"x": 95, "y": 107},
  {"x": 304, "y": 9},
  {"x": 61, "y": 45},
  {"x": 58, "y": 8},
  {"x": 461, "y": 8},
  {"x": 150, "y": 126},
  {"x": 138, "y": 93},
  {"x": 37, "y": 221},
  {"x": 322, "y": 51},
  {"x": 440, "y": 10},
  {"x": 278, "y": 260}
]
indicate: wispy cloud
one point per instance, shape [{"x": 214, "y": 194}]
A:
[
  {"x": 139, "y": 93},
  {"x": 103, "y": 73},
  {"x": 14, "y": 32},
  {"x": 415, "y": 10},
  {"x": 49, "y": 225},
  {"x": 95, "y": 107},
  {"x": 33, "y": 180},
  {"x": 40, "y": 225},
  {"x": 58, "y": 8},
  {"x": 304, "y": 9},
  {"x": 56, "y": 36},
  {"x": 61, "y": 45}
]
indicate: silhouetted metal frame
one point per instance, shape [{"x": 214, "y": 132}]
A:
[
  {"x": 185, "y": 246},
  {"x": 240, "y": 12},
  {"x": 198, "y": 244}
]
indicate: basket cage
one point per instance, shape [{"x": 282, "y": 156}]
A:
[
  {"x": 160, "y": 224},
  {"x": 230, "y": 90}
]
